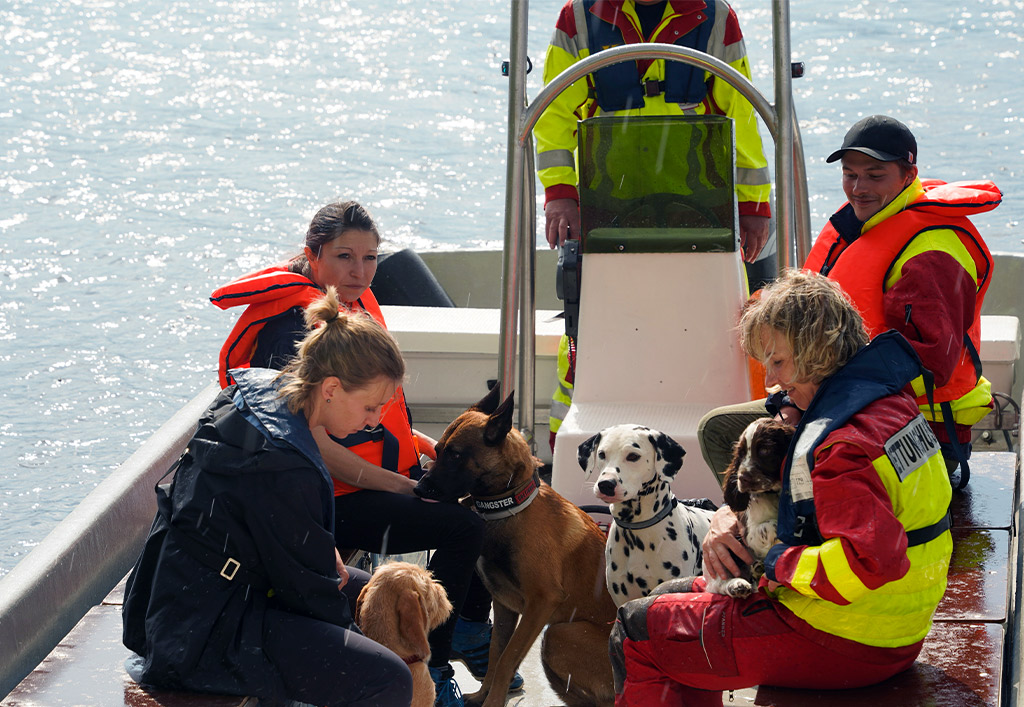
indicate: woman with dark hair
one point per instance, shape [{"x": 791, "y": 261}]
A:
[
  {"x": 374, "y": 470},
  {"x": 239, "y": 589}
]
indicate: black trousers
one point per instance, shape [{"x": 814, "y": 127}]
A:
[
  {"x": 391, "y": 523},
  {"x": 324, "y": 664}
]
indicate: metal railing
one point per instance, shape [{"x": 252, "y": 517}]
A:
[{"x": 518, "y": 264}]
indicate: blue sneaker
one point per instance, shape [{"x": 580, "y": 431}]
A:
[
  {"x": 448, "y": 692},
  {"x": 471, "y": 644}
]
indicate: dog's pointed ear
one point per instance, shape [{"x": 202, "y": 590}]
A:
[
  {"x": 489, "y": 403},
  {"x": 499, "y": 424},
  {"x": 668, "y": 451},
  {"x": 585, "y": 451}
]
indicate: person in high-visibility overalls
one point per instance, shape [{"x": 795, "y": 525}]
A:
[
  {"x": 863, "y": 540},
  {"x": 652, "y": 88}
]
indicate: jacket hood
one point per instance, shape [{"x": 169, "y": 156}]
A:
[
  {"x": 884, "y": 367},
  {"x": 265, "y": 422}
]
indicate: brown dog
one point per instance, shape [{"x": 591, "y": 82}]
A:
[
  {"x": 397, "y": 608},
  {"x": 542, "y": 558}
]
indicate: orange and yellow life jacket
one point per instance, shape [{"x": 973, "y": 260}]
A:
[
  {"x": 272, "y": 292},
  {"x": 869, "y": 265}
]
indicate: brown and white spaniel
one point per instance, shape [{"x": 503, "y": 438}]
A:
[{"x": 751, "y": 489}]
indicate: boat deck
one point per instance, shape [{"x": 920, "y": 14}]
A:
[{"x": 961, "y": 664}]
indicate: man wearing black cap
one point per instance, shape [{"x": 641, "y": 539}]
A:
[
  {"x": 911, "y": 260},
  {"x": 906, "y": 253},
  {"x": 879, "y": 158}
]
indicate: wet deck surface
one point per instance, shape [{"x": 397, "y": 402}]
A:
[
  {"x": 961, "y": 662},
  {"x": 87, "y": 669}
]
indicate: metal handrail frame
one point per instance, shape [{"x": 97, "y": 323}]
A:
[{"x": 519, "y": 261}]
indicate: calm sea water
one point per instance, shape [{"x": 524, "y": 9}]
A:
[{"x": 151, "y": 150}]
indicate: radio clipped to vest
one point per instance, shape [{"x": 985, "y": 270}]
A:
[{"x": 567, "y": 284}]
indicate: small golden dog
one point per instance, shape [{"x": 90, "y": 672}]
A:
[{"x": 398, "y": 607}]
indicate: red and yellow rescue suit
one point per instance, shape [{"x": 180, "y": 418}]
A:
[
  {"x": 277, "y": 294},
  {"x": 647, "y": 87},
  {"x": 863, "y": 552}
]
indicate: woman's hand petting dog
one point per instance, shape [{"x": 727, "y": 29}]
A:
[{"x": 722, "y": 545}]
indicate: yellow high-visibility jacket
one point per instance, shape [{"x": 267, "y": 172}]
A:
[{"x": 555, "y": 132}]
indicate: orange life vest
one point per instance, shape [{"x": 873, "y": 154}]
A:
[
  {"x": 272, "y": 292},
  {"x": 267, "y": 294},
  {"x": 863, "y": 266}
]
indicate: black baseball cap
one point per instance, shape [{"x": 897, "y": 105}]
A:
[{"x": 881, "y": 137}]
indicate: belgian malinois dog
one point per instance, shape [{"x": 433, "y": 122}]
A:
[{"x": 542, "y": 558}]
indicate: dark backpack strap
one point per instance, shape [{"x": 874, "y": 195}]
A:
[
  {"x": 960, "y": 449},
  {"x": 389, "y": 455},
  {"x": 975, "y": 358},
  {"x": 929, "y": 532}
]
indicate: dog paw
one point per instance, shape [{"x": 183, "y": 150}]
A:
[
  {"x": 757, "y": 570},
  {"x": 739, "y": 588}
]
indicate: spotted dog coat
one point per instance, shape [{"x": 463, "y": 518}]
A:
[
  {"x": 652, "y": 538},
  {"x": 751, "y": 489}
]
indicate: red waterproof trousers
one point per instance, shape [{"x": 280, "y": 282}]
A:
[{"x": 685, "y": 649}]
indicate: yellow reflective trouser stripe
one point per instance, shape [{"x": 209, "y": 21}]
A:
[{"x": 562, "y": 398}]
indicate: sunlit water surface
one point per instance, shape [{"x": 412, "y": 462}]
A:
[{"x": 149, "y": 151}]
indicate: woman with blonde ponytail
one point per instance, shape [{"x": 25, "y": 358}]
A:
[
  {"x": 375, "y": 469},
  {"x": 239, "y": 589}
]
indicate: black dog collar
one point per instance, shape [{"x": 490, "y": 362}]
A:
[{"x": 641, "y": 524}]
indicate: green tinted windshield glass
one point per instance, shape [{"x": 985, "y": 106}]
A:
[{"x": 657, "y": 184}]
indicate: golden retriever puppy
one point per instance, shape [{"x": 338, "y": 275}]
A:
[{"x": 398, "y": 607}]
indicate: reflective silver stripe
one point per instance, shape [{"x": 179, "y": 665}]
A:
[
  {"x": 716, "y": 41},
  {"x": 556, "y": 158},
  {"x": 562, "y": 40},
  {"x": 752, "y": 177},
  {"x": 558, "y": 412},
  {"x": 565, "y": 389},
  {"x": 582, "y": 38}
]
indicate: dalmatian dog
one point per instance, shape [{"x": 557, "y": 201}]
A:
[
  {"x": 751, "y": 488},
  {"x": 653, "y": 538}
]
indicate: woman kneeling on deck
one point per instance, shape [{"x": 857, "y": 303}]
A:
[
  {"x": 240, "y": 589},
  {"x": 863, "y": 533}
]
